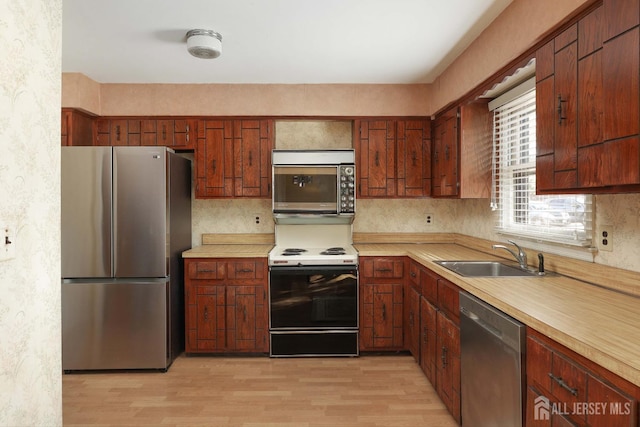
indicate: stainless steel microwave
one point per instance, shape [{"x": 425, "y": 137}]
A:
[{"x": 314, "y": 184}]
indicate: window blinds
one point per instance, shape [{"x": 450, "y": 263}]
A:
[{"x": 561, "y": 219}]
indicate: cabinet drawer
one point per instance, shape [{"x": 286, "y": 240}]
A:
[
  {"x": 429, "y": 285},
  {"x": 553, "y": 372},
  {"x": 568, "y": 381},
  {"x": 621, "y": 410},
  {"x": 449, "y": 299},
  {"x": 209, "y": 270},
  {"x": 383, "y": 268},
  {"x": 245, "y": 270},
  {"x": 414, "y": 275}
]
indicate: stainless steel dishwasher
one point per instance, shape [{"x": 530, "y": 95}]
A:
[{"x": 492, "y": 347}]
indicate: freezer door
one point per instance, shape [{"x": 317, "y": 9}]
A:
[
  {"x": 114, "y": 325},
  {"x": 140, "y": 212},
  {"x": 86, "y": 212}
]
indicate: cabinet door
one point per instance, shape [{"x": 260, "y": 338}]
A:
[
  {"x": 375, "y": 156},
  {"x": 414, "y": 158},
  {"x": 448, "y": 371},
  {"x": 210, "y": 318},
  {"x": 381, "y": 317},
  {"x": 565, "y": 144},
  {"x": 538, "y": 413},
  {"x": 428, "y": 342},
  {"x": 148, "y": 132},
  {"x": 76, "y": 128},
  {"x": 445, "y": 155},
  {"x": 252, "y": 144},
  {"x": 103, "y": 132},
  {"x": 184, "y": 135},
  {"x": 214, "y": 159},
  {"x": 412, "y": 319},
  {"x": 246, "y": 322}
]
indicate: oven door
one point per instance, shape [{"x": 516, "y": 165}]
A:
[
  {"x": 313, "y": 297},
  {"x": 305, "y": 189}
]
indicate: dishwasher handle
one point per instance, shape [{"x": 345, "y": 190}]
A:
[
  {"x": 505, "y": 328},
  {"x": 484, "y": 325}
]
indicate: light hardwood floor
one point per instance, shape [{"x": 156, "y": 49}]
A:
[{"x": 384, "y": 391}]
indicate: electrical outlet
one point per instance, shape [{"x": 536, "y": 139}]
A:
[
  {"x": 429, "y": 218},
  {"x": 7, "y": 243},
  {"x": 605, "y": 238},
  {"x": 256, "y": 218}
]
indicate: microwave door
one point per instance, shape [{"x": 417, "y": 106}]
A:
[{"x": 305, "y": 189}]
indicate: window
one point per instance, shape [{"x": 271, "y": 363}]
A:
[{"x": 563, "y": 219}]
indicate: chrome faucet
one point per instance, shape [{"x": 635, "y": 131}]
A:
[{"x": 521, "y": 256}]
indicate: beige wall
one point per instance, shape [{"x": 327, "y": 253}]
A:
[
  {"x": 514, "y": 31},
  {"x": 30, "y": 348},
  {"x": 244, "y": 100},
  {"x": 79, "y": 91}
]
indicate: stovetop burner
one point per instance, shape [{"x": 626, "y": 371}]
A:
[
  {"x": 333, "y": 251},
  {"x": 292, "y": 251},
  {"x": 338, "y": 255}
]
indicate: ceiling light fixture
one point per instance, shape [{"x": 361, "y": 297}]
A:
[{"x": 205, "y": 44}]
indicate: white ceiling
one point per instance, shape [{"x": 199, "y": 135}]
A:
[{"x": 271, "y": 41}]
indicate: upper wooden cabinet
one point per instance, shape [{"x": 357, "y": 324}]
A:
[
  {"x": 588, "y": 104},
  {"x": 178, "y": 134},
  {"x": 461, "y": 154},
  {"x": 445, "y": 154},
  {"x": 76, "y": 127},
  {"x": 233, "y": 158},
  {"x": 569, "y": 102},
  {"x": 393, "y": 157}
]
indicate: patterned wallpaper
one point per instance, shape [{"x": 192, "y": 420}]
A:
[{"x": 30, "y": 348}]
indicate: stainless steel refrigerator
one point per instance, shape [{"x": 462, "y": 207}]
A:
[{"x": 126, "y": 218}]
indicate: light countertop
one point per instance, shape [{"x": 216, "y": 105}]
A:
[{"x": 601, "y": 324}]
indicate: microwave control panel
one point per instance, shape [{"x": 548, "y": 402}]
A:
[{"x": 347, "y": 189}]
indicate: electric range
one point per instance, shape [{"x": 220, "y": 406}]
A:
[{"x": 313, "y": 292}]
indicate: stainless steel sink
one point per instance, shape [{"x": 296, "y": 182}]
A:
[{"x": 486, "y": 269}]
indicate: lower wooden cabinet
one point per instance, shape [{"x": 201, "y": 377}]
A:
[
  {"x": 428, "y": 343},
  {"x": 448, "y": 364},
  {"x": 412, "y": 322},
  {"x": 563, "y": 391},
  {"x": 226, "y": 305},
  {"x": 382, "y": 290},
  {"x": 381, "y": 317}
]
